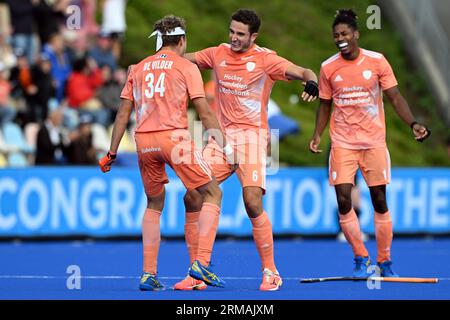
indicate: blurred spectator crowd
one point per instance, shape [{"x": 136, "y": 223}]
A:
[{"x": 60, "y": 81}]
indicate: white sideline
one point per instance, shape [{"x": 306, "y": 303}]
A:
[{"x": 137, "y": 277}]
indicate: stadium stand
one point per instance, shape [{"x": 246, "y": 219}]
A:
[
  {"x": 17, "y": 159},
  {"x": 13, "y": 135},
  {"x": 3, "y": 161},
  {"x": 31, "y": 130}
]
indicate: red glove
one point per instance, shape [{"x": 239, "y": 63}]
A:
[{"x": 106, "y": 162}]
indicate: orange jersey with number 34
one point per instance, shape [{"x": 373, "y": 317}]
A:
[{"x": 160, "y": 86}]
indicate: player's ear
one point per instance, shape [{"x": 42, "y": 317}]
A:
[
  {"x": 356, "y": 34},
  {"x": 182, "y": 42},
  {"x": 254, "y": 36}
]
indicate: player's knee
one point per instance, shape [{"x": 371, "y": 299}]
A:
[
  {"x": 378, "y": 198},
  {"x": 193, "y": 201},
  {"x": 155, "y": 197},
  {"x": 253, "y": 206},
  {"x": 213, "y": 192},
  {"x": 345, "y": 208},
  {"x": 216, "y": 192},
  {"x": 344, "y": 203},
  {"x": 155, "y": 203},
  {"x": 253, "y": 209},
  {"x": 380, "y": 205}
]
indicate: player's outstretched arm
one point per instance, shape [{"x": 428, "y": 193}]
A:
[
  {"x": 191, "y": 57},
  {"x": 120, "y": 125},
  {"x": 322, "y": 118},
  {"x": 309, "y": 79},
  {"x": 403, "y": 110}
]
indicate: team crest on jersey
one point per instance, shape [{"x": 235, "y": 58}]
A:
[
  {"x": 367, "y": 74},
  {"x": 251, "y": 66}
]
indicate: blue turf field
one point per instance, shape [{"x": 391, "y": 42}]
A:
[{"x": 111, "y": 269}]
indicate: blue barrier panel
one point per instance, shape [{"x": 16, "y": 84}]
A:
[{"x": 82, "y": 201}]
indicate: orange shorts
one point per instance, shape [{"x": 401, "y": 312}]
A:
[
  {"x": 375, "y": 166},
  {"x": 252, "y": 163},
  {"x": 175, "y": 148}
]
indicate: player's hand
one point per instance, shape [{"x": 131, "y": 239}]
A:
[
  {"x": 106, "y": 162},
  {"x": 420, "y": 131},
  {"x": 311, "y": 91},
  {"x": 314, "y": 145},
  {"x": 231, "y": 157},
  {"x": 233, "y": 160}
]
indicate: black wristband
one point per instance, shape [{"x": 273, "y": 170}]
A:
[
  {"x": 412, "y": 124},
  {"x": 312, "y": 88},
  {"x": 112, "y": 155}
]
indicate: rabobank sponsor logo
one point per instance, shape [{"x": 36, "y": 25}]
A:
[{"x": 151, "y": 149}]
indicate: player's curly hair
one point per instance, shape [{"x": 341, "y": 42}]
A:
[
  {"x": 346, "y": 16},
  {"x": 248, "y": 17},
  {"x": 167, "y": 24}
]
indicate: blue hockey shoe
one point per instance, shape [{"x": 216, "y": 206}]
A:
[
  {"x": 199, "y": 272},
  {"x": 386, "y": 270},
  {"x": 361, "y": 265},
  {"x": 150, "y": 282}
]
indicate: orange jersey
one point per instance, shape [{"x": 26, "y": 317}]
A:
[
  {"x": 244, "y": 82},
  {"x": 357, "y": 121},
  {"x": 160, "y": 86}
]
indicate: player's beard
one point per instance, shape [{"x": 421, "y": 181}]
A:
[{"x": 244, "y": 46}]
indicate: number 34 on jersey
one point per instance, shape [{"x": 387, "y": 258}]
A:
[{"x": 153, "y": 87}]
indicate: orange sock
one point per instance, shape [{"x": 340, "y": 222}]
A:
[
  {"x": 208, "y": 222},
  {"x": 151, "y": 237},
  {"x": 262, "y": 234},
  {"x": 191, "y": 233},
  {"x": 383, "y": 233},
  {"x": 350, "y": 227}
]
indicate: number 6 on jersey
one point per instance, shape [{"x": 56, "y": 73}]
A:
[{"x": 255, "y": 175}]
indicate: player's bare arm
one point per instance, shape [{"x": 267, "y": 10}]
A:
[
  {"x": 403, "y": 110},
  {"x": 190, "y": 56},
  {"x": 322, "y": 117},
  {"x": 120, "y": 125},
  {"x": 308, "y": 77}
]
